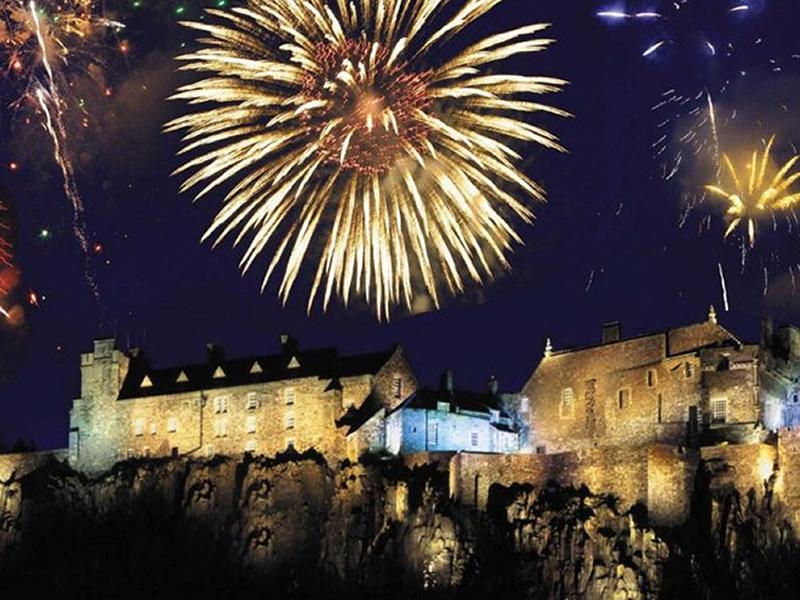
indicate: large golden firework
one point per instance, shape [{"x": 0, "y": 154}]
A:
[
  {"x": 760, "y": 194},
  {"x": 348, "y": 140}
]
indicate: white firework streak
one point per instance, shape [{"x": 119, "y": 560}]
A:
[{"x": 724, "y": 287}]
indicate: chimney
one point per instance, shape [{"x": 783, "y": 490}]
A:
[
  {"x": 493, "y": 386},
  {"x": 446, "y": 382},
  {"x": 612, "y": 332},
  {"x": 288, "y": 344},
  {"x": 216, "y": 354},
  {"x": 767, "y": 332}
]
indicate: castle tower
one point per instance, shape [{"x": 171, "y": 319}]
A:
[{"x": 94, "y": 428}]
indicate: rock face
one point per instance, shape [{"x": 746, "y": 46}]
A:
[{"x": 293, "y": 527}]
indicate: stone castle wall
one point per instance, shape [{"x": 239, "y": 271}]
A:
[
  {"x": 18, "y": 465},
  {"x": 658, "y": 477}
]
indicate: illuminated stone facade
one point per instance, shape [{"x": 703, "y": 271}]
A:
[
  {"x": 687, "y": 386},
  {"x": 262, "y": 405}
]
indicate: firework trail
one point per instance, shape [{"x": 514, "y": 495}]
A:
[
  {"x": 327, "y": 130},
  {"x": 50, "y": 102},
  {"x": 724, "y": 287},
  {"x": 8, "y": 271}
]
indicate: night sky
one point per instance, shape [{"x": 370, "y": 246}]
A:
[{"x": 607, "y": 246}]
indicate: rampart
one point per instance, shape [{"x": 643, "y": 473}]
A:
[
  {"x": 659, "y": 477},
  {"x": 19, "y": 464}
]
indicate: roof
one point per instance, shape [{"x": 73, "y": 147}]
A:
[
  {"x": 143, "y": 381},
  {"x": 677, "y": 341},
  {"x": 476, "y": 402}
]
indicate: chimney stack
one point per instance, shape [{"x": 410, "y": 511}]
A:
[
  {"x": 767, "y": 332},
  {"x": 216, "y": 353},
  {"x": 494, "y": 386},
  {"x": 446, "y": 382},
  {"x": 612, "y": 332},
  {"x": 288, "y": 344}
]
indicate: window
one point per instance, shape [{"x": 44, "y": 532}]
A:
[
  {"x": 74, "y": 444},
  {"x": 290, "y": 443},
  {"x": 659, "y": 407},
  {"x": 398, "y": 387},
  {"x": 652, "y": 378},
  {"x": 795, "y": 398},
  {"x": 688, "y": 370},
  {"x": 433, "y": 434},
  {"x": 624, "y": 398},
  {"x": 221, "y": 428},
  {"x": 473, "y": 439},
  {"x": 210, "y": 451},
  {"x": 719, "y": 411},
  {"x": 567, "y": 403},
  {"x": 138, "y": 427},
  {"x": 146, "y": 452},
  {"x": 153, "y": 428},
  {"x": 221, "y": 404},
  {"x": 172, "y": 424},
  {"x": 541, "y": 450},
  {"x": 289, "y": 420},
  {"x": 250, "y": 424},
  {"x": 288, "y": 396},
  {"x": 252, "y": 401},
  {"x": 250, "y": 446}
]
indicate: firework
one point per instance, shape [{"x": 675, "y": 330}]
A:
[
  {"x": 759, "y": 194},
  {"x": 9, "y": 274},
  {"x": 333, "y": 129}
]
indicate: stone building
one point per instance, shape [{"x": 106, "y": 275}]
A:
[
  {"x": 781, "y": 376},
  {"x": 686, "y": 386},
  {"x": 296, "y": 398},
  {"x": 439, "y": 420}
]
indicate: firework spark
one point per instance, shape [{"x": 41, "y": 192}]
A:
[
  {"x": 333, "y": 128},
  {"x": 761, "y": 194},
  {"x": 9, "y": 275}
]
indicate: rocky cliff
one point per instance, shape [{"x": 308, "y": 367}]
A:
[{"x": 293, "y": 527}]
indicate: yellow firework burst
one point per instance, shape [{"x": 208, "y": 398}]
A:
[
  {"x": 760, "y": 194},
  {"x": 350, "y": 139}
]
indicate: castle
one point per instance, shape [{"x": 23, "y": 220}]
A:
[{"x": 632, "y": 416}]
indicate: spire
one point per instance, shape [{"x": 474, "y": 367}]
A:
[
  {"x": 712, "y": 314},
  {"x": 548, "y": 348}
]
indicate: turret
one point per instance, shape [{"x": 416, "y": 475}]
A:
[{"x": 94, "y": 429}]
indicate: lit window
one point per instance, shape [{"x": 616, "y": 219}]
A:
[
  {"x": 473, "y": 438},
  {"x": 221, "y": 428},
  {"x": 250, "y": 424},
  {"x": 289, "y": 420},
  {"x": 138, "y": 427},
  {"x": 652, "y": 378},
  {"x": 719, "y": 411},
  {"x": 172, "y": 424},
  {"x": 210, "y": 451},
  {"x": 221, "y": 404},
  {"x": 398, "y": 387},
  {"x": 250, "y": 446},
  {"x": 252, "y": 401},
  {"x": 74, "y": 444},
  {"x": 624, "y": 398},
  {"x": 288, "y": 396},
  {"x": 689, "y": 370},
  {"x": 567, "y": 403}
]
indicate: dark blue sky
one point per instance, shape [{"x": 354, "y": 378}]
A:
[{"x": 609, "y": 213}]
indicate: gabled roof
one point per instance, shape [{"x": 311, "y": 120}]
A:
[
  {"x": 429, "y": 399},
  {"x": 322, "y": 363}
]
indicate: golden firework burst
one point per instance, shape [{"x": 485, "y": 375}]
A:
[
  {"x": 760, "y": 194},
  {"x": 349, "y": 138}
]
